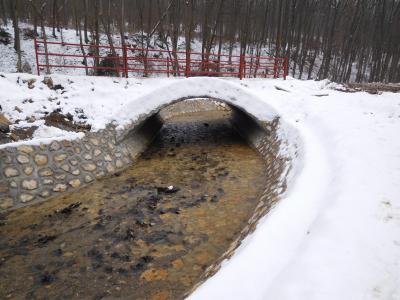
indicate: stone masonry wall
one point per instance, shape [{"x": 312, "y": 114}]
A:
[{"x": 30, "y": 174}]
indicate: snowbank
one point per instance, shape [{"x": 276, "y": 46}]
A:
[{"x": 336, "y": 234}]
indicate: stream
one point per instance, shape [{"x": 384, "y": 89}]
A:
[{"x": 148, "y": 232}]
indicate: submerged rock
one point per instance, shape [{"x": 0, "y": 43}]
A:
[{"x": 167, "y": 190}]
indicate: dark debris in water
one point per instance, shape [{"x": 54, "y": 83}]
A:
[
  {"x": 142, "y": 263},
  {"x": 173, "y": 210},
  {"x": 156, "y": 236},
  {"x": 69, "y": 209},
  {"x": 214, "y": 198},
  {"x": 45, "y": 239},
  {"x": 47, "y": 278},
  {"x": 121, "y": 257},
  {"x": 58, "y": 252},
  {"x": 130, "y": 235},
  {"x": 168, "y": 190}
]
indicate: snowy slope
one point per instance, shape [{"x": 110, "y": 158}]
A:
[{"x": 336, "y": 233}]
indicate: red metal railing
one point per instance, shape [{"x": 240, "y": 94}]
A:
[{"x": 128, "y": 59}]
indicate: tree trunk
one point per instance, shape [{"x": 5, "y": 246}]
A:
[
  {"x": 85, "y": 21},
  {"x": 96, "y": 35},
  {"x": 17, "y": 40},
  {"x": 122, "y": 23},
  {"x": 4, "y": 14},
  {"x": 54, "y": 14}
]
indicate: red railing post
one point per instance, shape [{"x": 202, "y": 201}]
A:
[
  {"x": 274, "y": 67},
  {"x": 241, "y": 66},
  {"x": 251, "y": 65},
  {"x": 167, "y": 66},
  {"x": 125, "y": 53},
  {"x": 244, "y": 66},
  {"x": 37, "y": 55},
  {"x": 187, "y": 69},
  {"x": 285, "y": 67}
]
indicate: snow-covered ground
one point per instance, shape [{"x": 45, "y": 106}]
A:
[{"x": 336, "y": 232}]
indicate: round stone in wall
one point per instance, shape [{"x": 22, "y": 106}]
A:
[
  {"x": 54, "y": 146},
  {"x": 25, "y": 149},
  {"x": 48, "y": 181},
  {"x": 110, "y": 168},
  {"x": 11, "y": 172},
  {"x": 60, "y": 187},
  {"x": 97, "y": 152},
  {"x": 75, "y": 183},
  {"x": 26, "y": 197},
  {"x": 60, "y": 157},
  {"x": 119, "y": 163},
  {"x": 41, "y": 159},
  {"x": 100, "y": 174},
  {"x": 30, "y": 184},
  {"x": 88, "y": 178},
  {"x": 89, "y": 167},
  {"x": 13, "y": 184},
  {"x": 7, "y": 158},
  {"x": 60, "y": 176},
  {"x": 45, "y": 172},
  {"x": 94, "y": 141},
  {"x": 45, "y": 194},
  {"x": 66, "y": 143},
  {"x": 77, "y": 150},
  {"x": 28, "y": 170},
  {"x": 65, "y": 167},
  {"x": 23, "y": 159},
  {"x": 6, "y": 203},
  {"x": 73, "y": 162}
]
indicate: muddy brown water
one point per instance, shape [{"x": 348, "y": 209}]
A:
[{"x": 130, "y": 236}]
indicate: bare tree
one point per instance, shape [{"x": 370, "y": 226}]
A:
[
  {"x": 4, "y": 13},
  {"x": 15, "y": 9},
  {"x": 40, "y": 15}
]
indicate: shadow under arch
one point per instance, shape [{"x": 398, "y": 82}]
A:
[{"x": 140, "y": 133}]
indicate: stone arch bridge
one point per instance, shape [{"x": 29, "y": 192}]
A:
[{"x": 34, "y": 173}]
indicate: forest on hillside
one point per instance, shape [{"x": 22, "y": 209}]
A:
[{"x": 343, "y": 40}]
